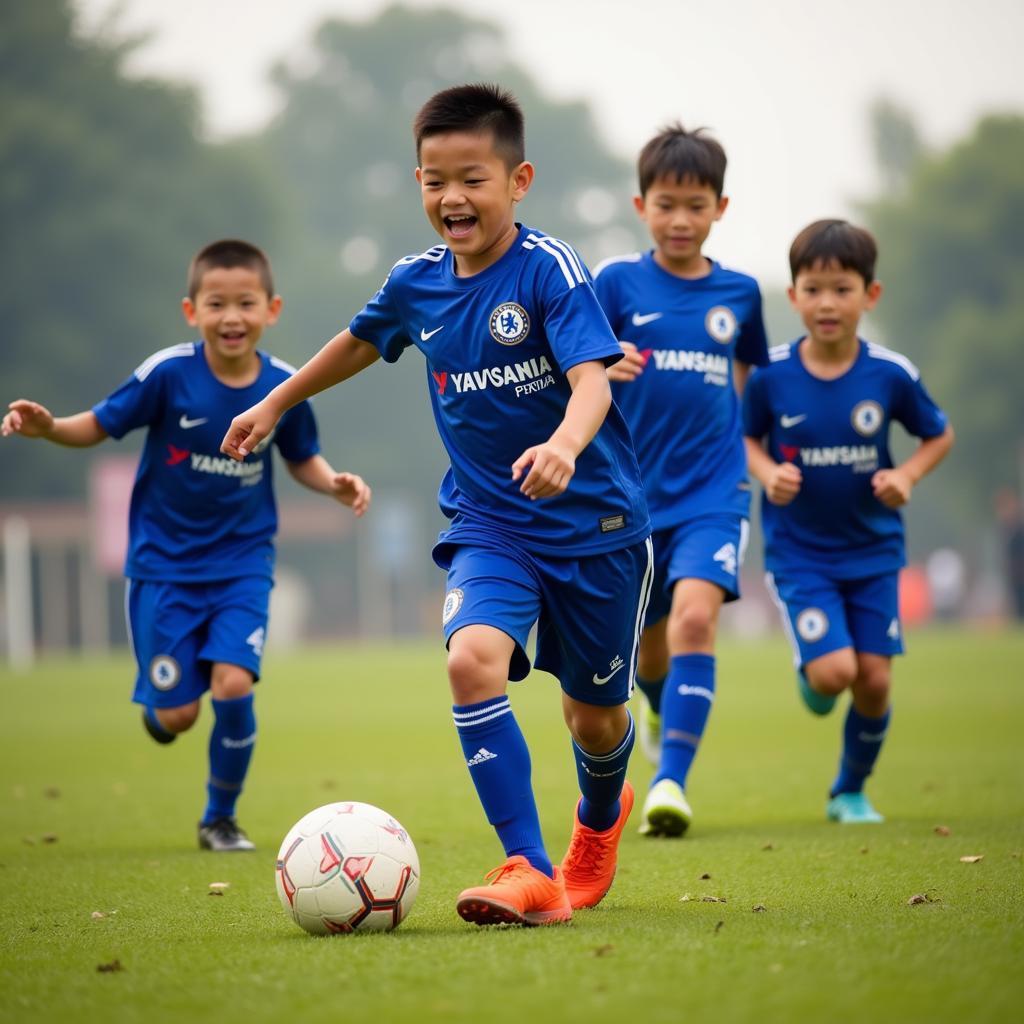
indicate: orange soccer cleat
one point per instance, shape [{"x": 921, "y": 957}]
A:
[
  {"x": 589, "y": 863},
  {"x": 518, "y": 894}
]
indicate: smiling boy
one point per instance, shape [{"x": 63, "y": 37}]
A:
[
  {"x": 201, "y": 553},
  {"x": 690, "y": 330},
  {"x": 817, "y": 422},
  {"x": 548, "y": 523}
]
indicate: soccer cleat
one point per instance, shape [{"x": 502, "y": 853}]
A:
[
  {"x": 649, "y": 731},
  {"x": 666, "y": 810},
  {"x": 158, "y": 734},
  {"x": 852, "y": 809},
  {"x": 518, "y": 894},
  {"x": 817, "y": 703},
  {"x": 589, "y": 863},
  {"x": 222, "y": 835}
]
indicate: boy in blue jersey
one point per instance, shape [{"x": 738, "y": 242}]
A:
[
  {"x": 201, "y": 553},
  {"x": 690, "y": 330},
  {"x": 833, "y": 532},
  {"x": 548, "y": 520}
]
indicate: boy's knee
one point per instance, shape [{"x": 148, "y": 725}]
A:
[
  {"x": 691, "y": 627},
  {"x": 178, "y": 719},
  {"x": 228, "y": 682},
  {"x": 475, "y": 674},
  {"x": 597, "y": 730},
  {"x": 833, "y": 673}
]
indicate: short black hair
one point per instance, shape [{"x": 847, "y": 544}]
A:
[
  {"x": 475, "y": 108},
  {"x": 677, "y": 153},
  {"x": 835, "y": 242},
  {"x": 226, "y": 253}
]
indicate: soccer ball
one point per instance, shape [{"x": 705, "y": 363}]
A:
[{"x": 347, "y": 867}]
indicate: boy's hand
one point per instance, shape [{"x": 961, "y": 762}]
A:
[
  {"x": 551, "y": 468},
  {"x": 248, "y": 429},
  {"x": 30, "y": 419},
  {"x": 784, "y": 483},
  {"x": 630, "y": 366},
  {"x": 892, "y": 487},
  {"x": 352, "y": 490}
]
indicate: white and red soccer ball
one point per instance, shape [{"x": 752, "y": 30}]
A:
[{"x": 347, "y": 867}]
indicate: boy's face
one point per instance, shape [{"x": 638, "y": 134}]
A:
[
  {"x": 230, "y": 310},
  {"x": 831, "y": 300},
  {"x": 469, "y": 195},
  {"x": 679, "y": 215}
]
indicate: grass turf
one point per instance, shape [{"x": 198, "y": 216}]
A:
[{"x": 98, "y": 818}]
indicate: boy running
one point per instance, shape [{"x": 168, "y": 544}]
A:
[
  {"x": 548, "y": 520},
  {"x": 690, "y": 330},
  {"x": 833, "y": 532},
  {"x": 201, "y": 552}
]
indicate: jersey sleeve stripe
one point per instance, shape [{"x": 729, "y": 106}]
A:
[
  {"x": 778, "y": 352},
  {"x": 536, "y": 242},
  {"x": 632, "y": 257},
  {"x": 881, "y": 352},
  {"x": 143, "y": 370},
  {"x": 575, "y": 262}
]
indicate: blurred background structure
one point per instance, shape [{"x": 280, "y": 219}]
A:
[{"x": 122, "y": 152}]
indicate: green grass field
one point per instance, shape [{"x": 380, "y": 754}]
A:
[{"x": 98, "y": 818}]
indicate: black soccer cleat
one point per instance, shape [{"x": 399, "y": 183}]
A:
[
  {"x": 160, "y": 735},
  {"x": 223, "y": 835}
]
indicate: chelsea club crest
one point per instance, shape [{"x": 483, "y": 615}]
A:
[{"x": 509, "y": 324}]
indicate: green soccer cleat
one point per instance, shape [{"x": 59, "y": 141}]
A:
[
  {"x": 817, "y": 703},
  {"x": 648, "y": 731},
  {"x": 852, "y": 809},
  {"x": 666, "y": 811}
]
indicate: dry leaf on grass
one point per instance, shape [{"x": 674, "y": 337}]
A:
[
  {"x": 942, "y": 830},
  {"x": 114, "y": 965},
  {"x": 972, "y": 858},
  {"x": 759, "y": 908},
  {"x": 704, "y": 877},
  {"x": 50, "y": 837},
  {"x": 712, "y": 899},
  {"x": 97, "y": 915},
  {"x": 603, "y": 950},
  {"x": 220, "y": 885},
  {"x": 921, "y": 897}
]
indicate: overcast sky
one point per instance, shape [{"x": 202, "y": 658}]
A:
[{"x": 784, "y": 84}]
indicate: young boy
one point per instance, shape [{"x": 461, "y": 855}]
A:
[
  {"x": 201, "y": 553},
  {"x": 548, "y": 520},
  {"x": 833, "y": 535},
  {"x": 690, "y": 330}
]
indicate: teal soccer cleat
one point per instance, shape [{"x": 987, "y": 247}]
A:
[
  {"x": 817, "y": 703},
  {"x": 852, "y": 809}
]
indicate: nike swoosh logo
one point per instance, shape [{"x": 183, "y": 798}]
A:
[
  {"x": 639, "y": 319},
  {"x": 427, "y": 335},
  {"x": 186, "y": 424},
  {"x": 597, "y": 680},
  {"x": 791, "y": 421}
]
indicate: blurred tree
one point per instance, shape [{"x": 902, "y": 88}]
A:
[
  {"x": 343, "y": 145},
  {"x": 897, "y": 143},
  {"x": 952, "y": 261},
  {"x": 105, "y": 193}
]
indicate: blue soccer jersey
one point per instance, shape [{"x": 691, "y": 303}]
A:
[
  {"x": 498, "y": 345},
  {"x": 195, "y": 514},
  {"x": 682, "y": 410},
  {"x": 837, "y": 433}
]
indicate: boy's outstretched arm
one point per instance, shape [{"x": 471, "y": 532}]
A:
[
  {"x": 781, "y": 480},
  {"x": 892, "y": 487},
  {"x": 552, "y": 464},
  {"x": 317, "y": 474},
  {"x": 342, "y": 357},
  {"x": 30, "y": 419}
]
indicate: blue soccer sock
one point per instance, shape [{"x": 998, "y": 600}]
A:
[
  {"x": 652, "y": 689},
  {"x": 601, "y": 778},
  {"x": 862, "y": 740},
  {"x": 231, "y": 744},
  {"x": 499, "y": 765},
  {"x": 685, "y": 706}
]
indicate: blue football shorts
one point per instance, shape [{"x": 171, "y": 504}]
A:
[
  {"x": 178, "y": 630},
  {"x": 707, "y": 547},
  {"x": 588, "y": 611},
  {"x": 821, "y": 615}
]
